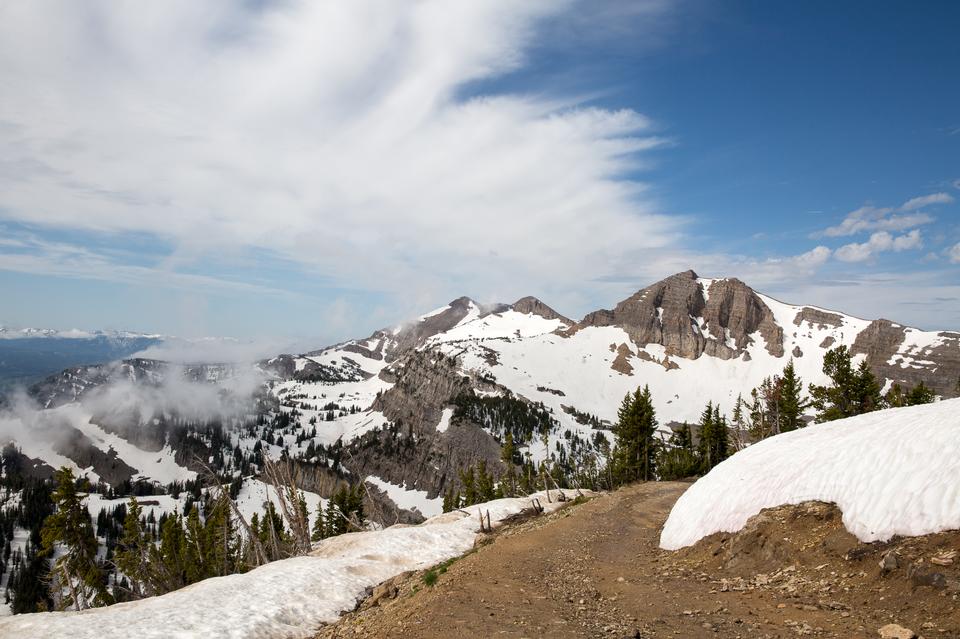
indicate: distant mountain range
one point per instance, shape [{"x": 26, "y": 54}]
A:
[
  {"x": 30, "y": 354},
  {"x": 411, "y": 405}
]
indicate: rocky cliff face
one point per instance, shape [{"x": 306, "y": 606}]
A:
[
  {"x": 892, "y": 354},
  {"x": 690, "y": 321},
  {"x": 413, "y": 452},
  {"x": 533, "y": 306}
]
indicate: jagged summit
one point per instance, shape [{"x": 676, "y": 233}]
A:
[
  {"x": 534, "y": 306},
  {"x": 691, "y": 316}
]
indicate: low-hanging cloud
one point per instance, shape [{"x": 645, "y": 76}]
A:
[{"x": 126, "y": 403}]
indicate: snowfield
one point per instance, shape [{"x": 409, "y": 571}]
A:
[
  {"x": 891, "y": 472},
  {"x": 288, "y": 598}
]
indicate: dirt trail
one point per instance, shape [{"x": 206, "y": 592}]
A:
[{"x": 595, "y": 570}]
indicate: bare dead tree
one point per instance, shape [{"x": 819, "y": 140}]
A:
[
  {"x": 376, "y": 511},
  {"x": 283, "y": 476}
]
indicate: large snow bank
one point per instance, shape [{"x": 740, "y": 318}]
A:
[
  {"x": 892, "y": 472},
  {"x": 288, "y": 598}
]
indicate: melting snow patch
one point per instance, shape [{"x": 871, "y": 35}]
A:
[
  {"x": 409, "y": 499},
  {"x": 445, "y": 420},
  {"x": 891, "y": 472},
  {"x": 288, "y": 598}
]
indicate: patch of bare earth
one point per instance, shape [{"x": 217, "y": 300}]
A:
[{"x": 595, "y": 570}]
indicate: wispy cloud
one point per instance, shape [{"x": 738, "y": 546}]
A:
[
  {"x": 29, "y": 253},
  {"x": 926, "y": 200},
  {"x": 953, "y": 253},
  {"x": 339, "y": 136},
  {"x": 870, "y": 218}
]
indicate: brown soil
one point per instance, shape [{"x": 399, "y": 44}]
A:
[{"x": 595, "y": 570}]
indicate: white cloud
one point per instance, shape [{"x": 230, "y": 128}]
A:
[
  {"x": 879, "y": 243},
  {"x": 869, "y": 218},
  {"x": 334, "y": 135},
  {"x": 954, "y": 253},
  {"x": 926, "y": 200},
  {"x": 956, "y": 184}
]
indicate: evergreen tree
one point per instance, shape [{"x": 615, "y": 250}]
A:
[
  {"x": 850, "y": 392},
  {"x": 714, "y": 438},
  {"x": 319, "y": 526},
  {"x": 485, "y": 483},
  {"x": 469, "y": 482},
  {"x": 678, "y": 460},
  {"x": 835, "y": 401},
  {"x": 920, "y": 394},
  {"x": 77, "y": 570},
  {"x": 635, "y": 448},
  {"x": 133, "y": 550},
  {"x": 866, "y": 390},
  {"x": 792, "y": 402}
]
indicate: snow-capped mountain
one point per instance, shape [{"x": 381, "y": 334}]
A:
[
  {"x": 73, "y": 333},
  {"x": 409, "y": 406}
]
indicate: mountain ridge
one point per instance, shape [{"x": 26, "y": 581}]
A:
[{"x": 410, "y": 405}]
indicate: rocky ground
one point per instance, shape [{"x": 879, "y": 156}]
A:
[{"x": 595, "y": 570}]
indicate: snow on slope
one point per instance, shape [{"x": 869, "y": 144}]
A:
[
  {"x": 288, "y": 598},
  {"x": 254, "y": 494},
  {"x": 580, "y": 366},
  {"x": 891, "y": 472},
  {"x": 498, "y": 326},
  {"x": 409, "y": 499}
]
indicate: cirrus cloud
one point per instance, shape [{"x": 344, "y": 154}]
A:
[{"x": 341, "y": 137}]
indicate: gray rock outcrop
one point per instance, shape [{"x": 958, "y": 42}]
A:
[{"x": 689, "y": 322}]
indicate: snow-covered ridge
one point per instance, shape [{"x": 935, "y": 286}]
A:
[
  {"x": 287, "y": 598},
  {"x": 891, "y": 472},
  {"x": 73, "y": 333}
]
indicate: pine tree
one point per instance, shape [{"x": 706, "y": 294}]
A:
[
  {"x": 792, "y": 403},
  {"x": 448, "y": 502},
  {"x": 920, "y": 394},
  {"x": 133, "y": 551},
  {"x": 319, "y": 526},
  {"x": 867, "y": 390},
  {"x": 469, "y": 483},
  {"x": 705, "y": 433},
  {"x": 714, "y": 438},
  {"x": 485, "y": 483},
  {"x": 635, "y": 448},
  {"x": 69, "y": 526},
  {"x": 851, "y": 392},
  {"x": 758, "y": 417},
  {"x": 678, "y": 460}
]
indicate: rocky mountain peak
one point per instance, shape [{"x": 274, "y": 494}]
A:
[
  {"x": 690, "y": 317},
  {"x": 534, "y": 306}
]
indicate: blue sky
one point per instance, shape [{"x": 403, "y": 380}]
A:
[{"x": 314, "y": 171}]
